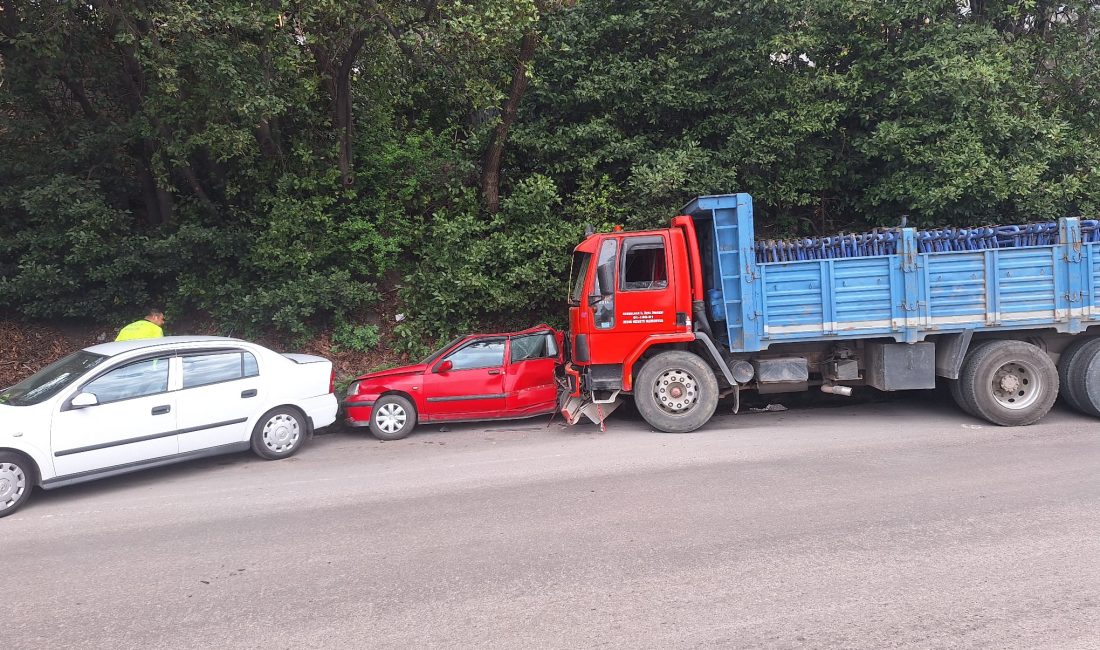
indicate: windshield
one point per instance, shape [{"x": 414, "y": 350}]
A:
[
  {"x": 435, "y": 355},
  {"x": 47, "y": 382},
  {"x": 577, "y": 275}
]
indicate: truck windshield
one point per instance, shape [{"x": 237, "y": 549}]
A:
[
  {"x": 577, "y": 275},
  {"x": 47, "y": 382}
]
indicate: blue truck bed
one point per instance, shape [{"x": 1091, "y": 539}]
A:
[{"x": 903, "y": 294}]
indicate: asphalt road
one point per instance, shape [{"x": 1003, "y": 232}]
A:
[{"x": 902, "y": 524}]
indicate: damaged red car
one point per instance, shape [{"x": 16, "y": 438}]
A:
[{"x": 475, "y": 377}]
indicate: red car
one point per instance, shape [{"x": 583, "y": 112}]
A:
[{"x": 475, "y": 377}]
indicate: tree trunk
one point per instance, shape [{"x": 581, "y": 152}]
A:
[
  {"x": 490, "y": 171},
  {"x": 345, "y": 117}
]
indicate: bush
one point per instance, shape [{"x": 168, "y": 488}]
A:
[
  {"x": 505, "y": 271},
  {"x": 359, "y": 338}
]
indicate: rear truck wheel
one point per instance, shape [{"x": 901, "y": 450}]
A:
[
  {"x": 16, "y": 482},
  {"x": 1081, "y": 381},
  {"x": 1070, "y": 373},
  {"x": 956, "y": 387},
  {"x": 676, "y": 392},
  {"x": 279, "y": 433},
  {"x": 1010, "y": 383},
  {"x": 392, "y": 418}
]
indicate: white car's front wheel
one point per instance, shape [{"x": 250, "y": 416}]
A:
[
  {"x": 16, "y": 482},
  {"x": 279, "y": 433}
]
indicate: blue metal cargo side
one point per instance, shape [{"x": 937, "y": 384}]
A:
[{"x": 896, "y": 292}]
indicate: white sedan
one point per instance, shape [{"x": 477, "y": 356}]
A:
[{"x": 125, "y": 406}]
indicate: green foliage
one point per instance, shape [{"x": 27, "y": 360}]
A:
[
  {"x": 286, "y": 165},
  {"x": 507, "y": 271},
  {"x": 359, "y": 338},
  {"x": 832, "y": 113}
]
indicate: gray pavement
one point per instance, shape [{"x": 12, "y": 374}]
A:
[{"x": 898, "y": 524}]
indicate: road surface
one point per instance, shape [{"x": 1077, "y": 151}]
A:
[{"x": 898, "y": 524}]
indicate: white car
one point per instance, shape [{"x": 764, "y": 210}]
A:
[{"x": 125, "y": 406}]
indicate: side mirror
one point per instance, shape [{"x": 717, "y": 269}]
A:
[
  {"x": 606, "y": 275},
  {"x": 84, "y": 400},
  {"x": 445, "y": 366}
]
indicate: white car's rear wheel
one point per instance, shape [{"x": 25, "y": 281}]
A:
[
  {"x": 16, "y": 482},
  {"x": 279, "y": 433}
]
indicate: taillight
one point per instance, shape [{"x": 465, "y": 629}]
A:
[{"x": 332, "y": 381}]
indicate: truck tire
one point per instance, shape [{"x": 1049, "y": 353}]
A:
[
  {"x": 1080, "y": 377},
  {"x": 956, "y": 387},
  {"x": 1071, "y": 379},
  {"x": 1010, "y": 383},
  {"x": 676, "y": 392}
]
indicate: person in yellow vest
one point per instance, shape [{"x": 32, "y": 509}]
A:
[{"x": 149, "y": 327}]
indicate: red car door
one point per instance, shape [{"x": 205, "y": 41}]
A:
[
  {"x": 468, "y": 383},
  {"x": 530, "y": 383}
]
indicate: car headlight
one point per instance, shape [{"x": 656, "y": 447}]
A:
[{"x": 353, "y": 388}]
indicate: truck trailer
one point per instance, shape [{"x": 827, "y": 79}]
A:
[{"x": 680, "y": 317}]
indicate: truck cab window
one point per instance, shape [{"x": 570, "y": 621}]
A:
[
  {"x": 577, "y": 275},
  {"x": 644, "y": 264}
]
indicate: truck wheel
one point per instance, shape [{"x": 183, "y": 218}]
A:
[
  {"x": 1081, "y": 381},
  {"x": 1010, "y": 383},
  {"x": 1071, "y": 378},
  {"x": 16, "y": 482},
  {"x": 392, "y": 418},
  {"x": 956, "y": 387},
  {"x": 676, "y": 392}
]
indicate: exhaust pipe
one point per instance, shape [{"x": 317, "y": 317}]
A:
[{"x": 836, "y": 390}]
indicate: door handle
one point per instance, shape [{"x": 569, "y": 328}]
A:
[
  {"x": 494, "y": 372},
  {"x": 161, "y": 410},
  {"x": 251, "y": 392}
]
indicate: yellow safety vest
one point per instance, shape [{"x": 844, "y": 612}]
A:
[{"x": 141, "y": 329}]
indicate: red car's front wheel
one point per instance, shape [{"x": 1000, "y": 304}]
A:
[{"x": 392, "y": 418}]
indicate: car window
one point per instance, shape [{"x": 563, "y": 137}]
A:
[
  {"x": 204, "y": 369},
  {"x": 479, "y": 354},
  {"x": 139, "y": 379},
  {"x": 538, "y": 346}
]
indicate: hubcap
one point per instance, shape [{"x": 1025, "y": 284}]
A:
[
  {"x": 676, "y": 391},
  {"x": 390, "y": 418},
  {"x": 281, "y": 432},
  {"x": 13, "y": 484},
  {"x": 1017, "y": 385}
]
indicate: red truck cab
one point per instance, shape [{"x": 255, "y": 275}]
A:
[{"x": 628, "y": 293}]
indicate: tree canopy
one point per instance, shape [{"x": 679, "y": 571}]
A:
[{"x": 289, "y": 165}]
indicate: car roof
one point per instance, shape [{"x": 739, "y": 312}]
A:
[
  {"x": 530, "y": 330},
  {"x": 115, "y": 348}
]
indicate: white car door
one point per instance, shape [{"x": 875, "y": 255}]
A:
[
  {"x": 221, "y": 391},
  {"x": 134, "y": 421}
]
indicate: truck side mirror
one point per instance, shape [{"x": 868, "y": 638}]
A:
[{"x": 606, "y": 276}]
